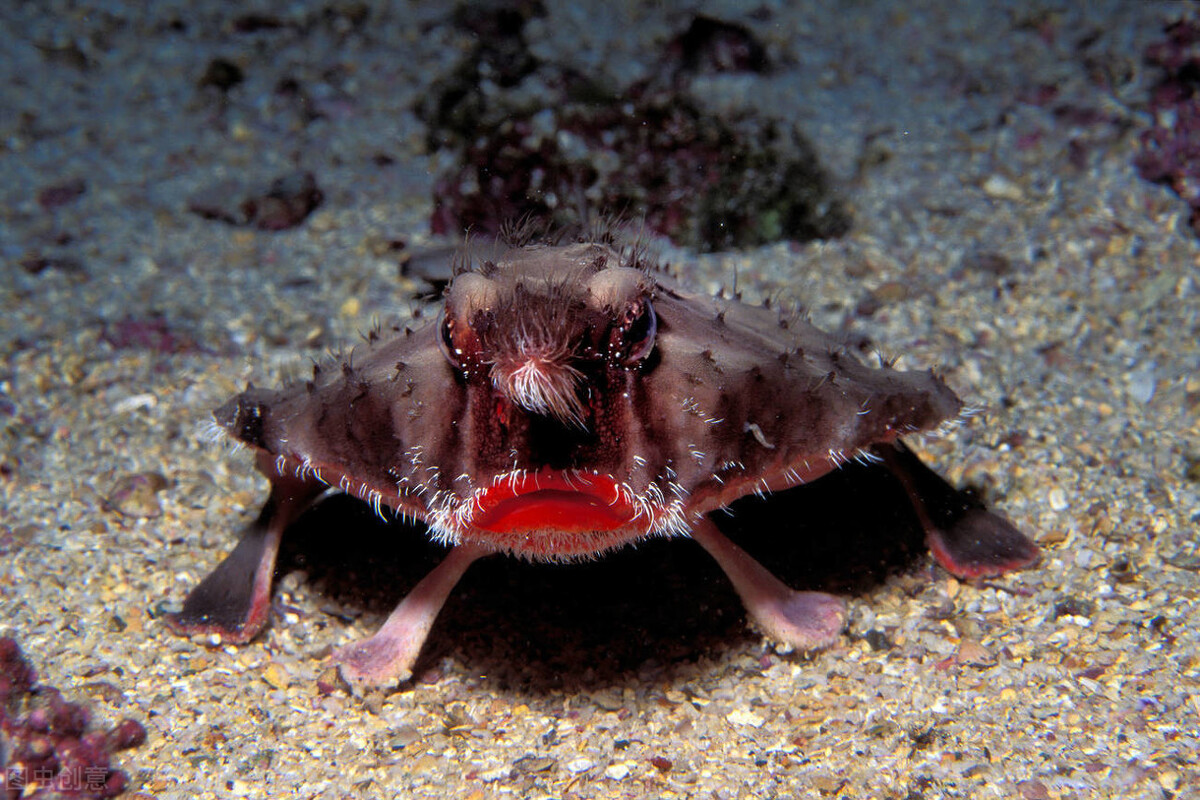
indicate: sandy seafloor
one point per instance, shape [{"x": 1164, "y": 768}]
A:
[{"x": 1010, "y": 243}]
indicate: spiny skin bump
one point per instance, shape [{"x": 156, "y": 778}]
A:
[{"x": 570, "y": 399}]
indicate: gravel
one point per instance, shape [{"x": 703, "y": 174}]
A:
[{"x": 1000, "y": 232}]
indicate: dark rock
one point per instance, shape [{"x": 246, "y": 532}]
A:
[
  {"x": 61, "y": 194},
  {"x": 284, "y": 204},
  {"x": 221, "y": 74}
]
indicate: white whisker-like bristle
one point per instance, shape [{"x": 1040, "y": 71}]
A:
[{"x": 542, "y": 385}]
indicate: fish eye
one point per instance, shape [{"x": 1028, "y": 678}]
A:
[
  {"x": 639, "y": 332},
  {"x": 445, "y": 337}
]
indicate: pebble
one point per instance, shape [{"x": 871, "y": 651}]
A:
[
  {"x": 1142, "y": 382},
  {"x": 617, "y": 772},
  {"x": 744, "y": 717},
  {"x": 137, "y": 495},
  {"x": 1002, "y": 188},
  {"x": 404, "y": 736},
  {"x": 135, "y": 402},
  {"x": 1057, "y": 499},
  {"x": 974, "y": 654},
  {"x": 276, "y": 676},
  {"x": 1085, "y": 558}
]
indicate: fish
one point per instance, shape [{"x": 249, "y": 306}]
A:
[{"x": 572, "y": 397}]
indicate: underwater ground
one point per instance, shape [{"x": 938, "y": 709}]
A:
[{"x": 193, "y": 197}]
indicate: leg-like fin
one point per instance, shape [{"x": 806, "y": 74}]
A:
[
  {"x": 235, "y": 598},
  {"x": 386, "y": 658},
  {"x": 966, "y": 538},
  {"x": 804, "y": 620}
]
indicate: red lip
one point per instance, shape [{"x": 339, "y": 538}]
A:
[{"x": 553, "y": 501}]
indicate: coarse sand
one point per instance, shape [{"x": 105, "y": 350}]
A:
[{"x": 1000, "y": 231}]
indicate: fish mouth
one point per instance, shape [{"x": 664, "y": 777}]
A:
[
  {"x": 522, "y": 503},
  {"x": 558, "y": 514}
]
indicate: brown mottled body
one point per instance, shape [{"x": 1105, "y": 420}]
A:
[{"x": 569, "y": 400}]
